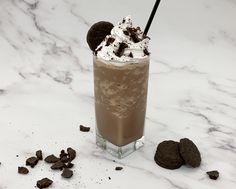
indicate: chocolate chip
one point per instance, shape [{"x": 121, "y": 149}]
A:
[
  {"x": 39, "y": 154},
  {"x": 131, "y": 55},
  {"x": 109, "y": 41},
  {"x": 51, "y": 159},
  {"x": 120, "y": 50},
  {"x": 23, "y": 170},
  {"x": 44, "y": 183},
  {"x": 213, "y": 174},
  {"x": 84, "y": 129},
  {"x": 71, "y": 153},
  {"x": 58, "y": 165},
  {"x": 32, "y": 161},
  {"x": 67, "y": 173},
  {"x": 145, "y": 51},
  {"x": 118, "y": 168}
]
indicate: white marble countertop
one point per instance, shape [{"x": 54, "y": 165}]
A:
[{"x": 46, "y": 91}]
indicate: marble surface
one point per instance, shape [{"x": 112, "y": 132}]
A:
[{"x": 46, "y": 91}]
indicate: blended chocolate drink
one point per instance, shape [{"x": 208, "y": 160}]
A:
[{"x": 121, "y": 68}]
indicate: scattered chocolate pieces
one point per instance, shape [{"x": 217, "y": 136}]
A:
[
  {"x": 97, "y": 33},
  {"x": 133, "y": 34},
  {"x": 67, "y": 173},
  {"x": 58, "y": 165},
  {"x": 168, "y": 156},
  {"x": 44, "y": 183},
  {"x": 118, "y": 168},
  {"x": 71, "y": 153},
  {"x": 121, "y": 49},
  {"x": 84, "y": 129},
  {"x": 39, "y": 155},
  {"x": 32, "y": 161},
  {"x": 213, "y": 174},
  {"x": 190, "y": 152},
  {"x": 51, "y": 159},
  {"x": 23, "y": 170},
  {"x": 63, "y": 154}
]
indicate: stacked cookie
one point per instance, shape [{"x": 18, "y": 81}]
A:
[{"x": 172, "y": 155}]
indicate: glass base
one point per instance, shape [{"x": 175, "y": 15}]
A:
[{"x": 119, "y": 151}]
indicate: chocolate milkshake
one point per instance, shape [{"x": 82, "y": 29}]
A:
[{"x": 121, "y": 67}]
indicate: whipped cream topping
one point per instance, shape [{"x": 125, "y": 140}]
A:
[{"x": 125, "y": 43}]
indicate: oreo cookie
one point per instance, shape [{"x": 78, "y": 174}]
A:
[
  {"x": 167, "y": 155},
  {"x": 97, "y": 33},
  {"x": 213, "y": 174},
  {"x": 44, "y": 183},
  {"x": 189, "y": 152}
]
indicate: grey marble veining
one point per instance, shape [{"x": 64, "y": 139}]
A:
[{"x": 46, "y": 91}]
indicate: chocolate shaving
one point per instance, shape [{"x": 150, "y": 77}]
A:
[
  {"x": 110, "y": 40},
  {"x": 131, "y": 55},
  {"x": 118, "y": 168},
  {"x": 120, "y": 50},
  {"x": 145, "y": 51},
  {"x": 84, "y": 129}
]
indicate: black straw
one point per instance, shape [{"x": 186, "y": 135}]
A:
[{"x": 151, "y": 16}]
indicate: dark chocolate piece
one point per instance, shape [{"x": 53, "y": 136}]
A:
[
  {"x": 118, "y": 168},
  {"x": 109, "y": 41},
  {"x": 121, "y": 49},
  {"x": 58, "y": 165},
  {"x": 145, "y": 51},
  {"x": 23, "y": 170},
  {"x": 44, "y": 183},
  {"x": 32, "y": 161},
  {"x": 39, "y": 155},
  {"x": 67, "y": 173},
  {"x": 213, "y": 174},
  {"x": 84, "y": 129},
  {"x": 51, "y": 159},
  {"x": 71, "y": 153}
]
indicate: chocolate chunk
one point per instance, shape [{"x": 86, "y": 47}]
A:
[
  {"x": 63, "y": 154},
  {"x": 44, "y": 183},
  {"x": 109, "y": 178},
  {"x": 23, "y": 170},
  {"x": 118, "y": 168},
  {"x": 67, "y": 173},
  {"x": 167, "y": 155},
  {"x": 213, "y": 174},
  {"x": 97, "y": 33},
  {"x": 71, "y": 153},
  {"x": 133, "y": 34},
  {"x": 58, "y": 165},
  {"x": 109, "y": 41},
  {"x": 51, "y": 159},
  {"x": 121, "y": 49},
  {"x": 145, "y": 51},
  {"x": 69, "y": 165},
  {"x": 84, "y": 129},
  {"x": 32, "y": 161},
  {"x": 131, "y": 55},
  {"x": 65, "y": 159},
  {"x": 39, "y": 154},
  {"x": 190, "y": 152}
]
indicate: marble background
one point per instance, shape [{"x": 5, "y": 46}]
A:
[{"x": 46, "y": 91}]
